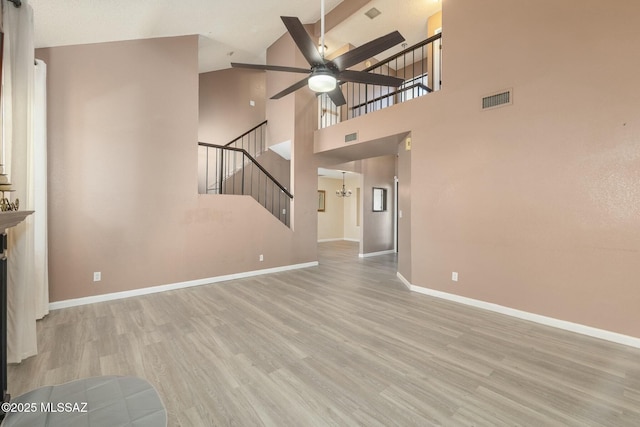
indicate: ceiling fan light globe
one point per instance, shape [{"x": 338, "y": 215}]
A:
[{"x": 322, "y": 82}]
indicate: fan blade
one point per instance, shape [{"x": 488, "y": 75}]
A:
[
  {"x": 369, "y": 78},
  {"x": 270, "y": 68},
  {"x": 367, "y": 50},
  {"x": 337, "y": 96},
  {"x": 302, "y": 39},
  {"x": 302, "y": 83}
]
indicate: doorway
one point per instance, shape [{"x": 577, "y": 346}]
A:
[{"x": 437, "y": 61}]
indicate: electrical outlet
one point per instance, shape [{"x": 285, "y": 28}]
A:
[
  {"x": 261, "y": 257},
  {"x": 97, "y": 276},
  {"x": 454, "y": 276}
]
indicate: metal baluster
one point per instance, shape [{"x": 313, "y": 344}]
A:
[
  {"x": 273, "y": 194},
  {"x": 353, "y": 97},
  {"x": 422, "y": 68},
  {"x": 356, "y": 111},
  {"x": 206, "y": 172},
  {"x": 413, "y": 72},
  {"x": 243, "y": 159},
  {"x": 323, "y": 109},
  {"x": 389, "y": 90},
  {"x": 234, "y": 172},
  {"x": 221, "y": 157},
  {"x": 259, "y": 183},
  {"x": 366, "y": 99},
  {"x": 350, "y": 86},
  {"x": 400, "y": 88}
]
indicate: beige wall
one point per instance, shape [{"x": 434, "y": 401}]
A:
[
  {"x": 122, "y": 130},
  {"x": 331, "y": 221},
  {"x": 404, "y": 209},
  {"x": 377, "y": 227},
  {"x": 536, "y": 205},
  {"x": 281, "y": 112},
  {"x": 225, "y": 111},
  {"x": 353, "y": 208},
  {"x": 433, "y": 23},
  {"x": 294, "y": 117}
]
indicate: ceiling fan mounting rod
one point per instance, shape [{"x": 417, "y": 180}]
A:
[{"x": 322, "y": 28}]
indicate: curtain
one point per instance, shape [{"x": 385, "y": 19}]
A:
[
  {"x": 39, "y": 190},
  {"x": 24, "y": 148}
]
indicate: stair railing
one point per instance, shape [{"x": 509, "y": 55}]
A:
[
  {"x": 252, "y": 141},
  {"x": 231, "y": 170}
]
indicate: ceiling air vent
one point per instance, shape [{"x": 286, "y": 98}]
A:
[
  {"x": 372, "y": 13},
  {"x": 499, "y": 99}
]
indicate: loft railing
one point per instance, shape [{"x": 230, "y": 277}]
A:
[
  {"x": 419, "y": 65},
  {"x": 252, "y": 141},
  {"x": 231, "y": 170}
]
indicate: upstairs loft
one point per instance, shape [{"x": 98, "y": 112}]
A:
[
  {"x": 375, "y": 72},
  {"x": 419, "y": 66}
]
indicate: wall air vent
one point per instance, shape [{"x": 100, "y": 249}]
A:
[
  {"x": 499, "y": 99},
  {"x": 351, "y": 137}
]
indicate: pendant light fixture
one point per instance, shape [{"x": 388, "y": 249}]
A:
[{"x": 344, "y": 192}]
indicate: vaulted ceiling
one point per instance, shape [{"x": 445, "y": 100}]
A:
[{"x": 238, "y": 30}]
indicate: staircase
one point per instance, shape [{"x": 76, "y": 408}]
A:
[{"x": 233, "y": 169}]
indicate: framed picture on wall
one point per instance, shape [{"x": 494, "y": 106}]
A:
[
  {"x": 379, "y": 199},
  {"x": 321, "y": 200}
]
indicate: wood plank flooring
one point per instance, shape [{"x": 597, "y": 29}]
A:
[{"x": 341, "y": 344}]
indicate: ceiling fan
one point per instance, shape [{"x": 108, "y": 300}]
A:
[{"x": 325, "y": 74}]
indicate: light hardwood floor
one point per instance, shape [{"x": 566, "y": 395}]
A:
[{"x": 341, "y": 344}]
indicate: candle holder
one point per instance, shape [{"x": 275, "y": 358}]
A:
[{"x": 6, "y": 204}]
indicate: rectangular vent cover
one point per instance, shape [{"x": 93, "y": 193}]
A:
[
  {"x": 372, "y": 13},
  {"x": 497, "y": 99},
  {"x": 351, "y": 137}
]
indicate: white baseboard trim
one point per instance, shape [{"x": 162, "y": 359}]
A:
[
  {"x": 351, "y": 240},
  {"x": 57, "y": 305},
  {"x": 330, "y": 240},
  {"x": 404, "y": 281},
  {"x": 367, "y": 255},
  {"x": 537, "y": 318}
]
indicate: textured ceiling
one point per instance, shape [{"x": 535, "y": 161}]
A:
[
  {"x": 407, "y": 16},
  {"x": 244, "y": 27}
]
